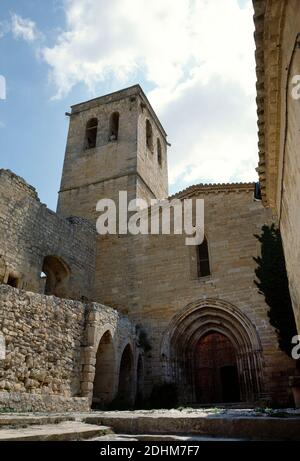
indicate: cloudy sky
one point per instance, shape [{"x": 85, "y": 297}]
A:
[{"x": 194, "y": 59}]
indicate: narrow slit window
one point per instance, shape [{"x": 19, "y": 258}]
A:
[
  {"x": 159, "y": 156},
  {"x": 203, "y": 259},
  {"x": 149, "y": 136}
]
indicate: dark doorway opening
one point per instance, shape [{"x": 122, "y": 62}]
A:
[
  {"x": 230, "y": 384},
  {"x": 13, "y": 281},
  {"x": 103, "y": 390},
  {"x": 216, "y": 377},
  {"x": 125, "y": 389}
]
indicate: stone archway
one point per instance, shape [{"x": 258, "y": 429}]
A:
[
  {"x": 103, "y": 388},
  {"x": 125, "y": 389},
  {"x": 57, "y": 274},
  {"x": 199, "y": 320}
]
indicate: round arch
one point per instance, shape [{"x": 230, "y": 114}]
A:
[
  {"x": 104, "y": 380},
  {"x": 57, "y": 274},
  {"x": 125, "y": 396},
  {"x": 199, "y": 319}
]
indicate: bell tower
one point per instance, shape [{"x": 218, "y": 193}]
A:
[{"x": 115, "y": 143}]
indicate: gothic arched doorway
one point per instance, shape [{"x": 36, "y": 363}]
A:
[
  {"x": 216, "y": 376},
  {"x": 197, "y": 371},
  {"x": 103, "y": 390}
]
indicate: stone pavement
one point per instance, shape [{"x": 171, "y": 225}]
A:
[{"x": 154, "y": 425}]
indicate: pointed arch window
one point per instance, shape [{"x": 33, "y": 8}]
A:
[
  {"x": 91, "y": 133},
  {"x": 203, "y": 265}
]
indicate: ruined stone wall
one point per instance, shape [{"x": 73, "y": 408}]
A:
[
  {"x": 29, "y": 232},
  {"x": 43, "y": 337},
  {"x": 51, "y": 346}
]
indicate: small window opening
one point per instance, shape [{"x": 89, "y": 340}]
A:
[
  {"x": 91, "y": 133},
  {"x": 12, "y": 281},
  {"x": 149, "y": 135},
  {"x": 114, "y": 126},
  {"x": 203, "y": 259},
  {"x": 159, "y": 157}
]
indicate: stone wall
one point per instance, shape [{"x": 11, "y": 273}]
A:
[
  {"x": 29, "y": 232},
  {"x": 154, "y": 278},
  {"x": 288, "y": 188},
  {"x": 51, "y": 346},
  {"x": 43, "y": 337},
  {"x": 278, "y": 61}
]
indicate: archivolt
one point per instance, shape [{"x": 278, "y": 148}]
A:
[{"x": 195, "y": 321}]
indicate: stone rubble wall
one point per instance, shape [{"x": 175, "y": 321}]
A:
[{"x": 50, "y": 343}]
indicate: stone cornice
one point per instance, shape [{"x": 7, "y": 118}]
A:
[
  {"x": 268, "y": 19},
  {"x": 198, "y": 189}
]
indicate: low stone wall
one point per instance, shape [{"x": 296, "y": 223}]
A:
[
  {"x": 42, "y": 403},
  {"x": 43, "y": 338},
  {"x": 48, "y": 362}
]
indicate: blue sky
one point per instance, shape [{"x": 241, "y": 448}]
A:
[{"x": 194, "y": 59}]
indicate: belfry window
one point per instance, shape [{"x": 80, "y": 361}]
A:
[
  {"x": 149, "y": 135},
  {"x": 114, "y": 126},
  {"x": 159, "y": 157},
  {"x": 203, "y": 259},
  {"x": 91, "y": 133}
]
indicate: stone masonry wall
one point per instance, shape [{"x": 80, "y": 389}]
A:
[
  {"x": 51, "y": 347},
  {"x": 277, "y": 28},
  {"x": 288, "y": 193},
  {"x": 43, "y": 337},
  {"x": 29, "y": 232},
  {"x": 160, "y": 277}
]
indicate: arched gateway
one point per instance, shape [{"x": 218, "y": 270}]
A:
[{"x": 212, "y": 352}]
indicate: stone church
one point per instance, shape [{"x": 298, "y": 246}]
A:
[{"x": 89, "y": 320}]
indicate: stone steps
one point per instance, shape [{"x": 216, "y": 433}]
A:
[
  {"x": 147, "y": 426},
  {"x": 162, "y": 438},
  {"x": 228, "y": 427},
  {"x": 23, "y": 420},
  {"x": 61, "y": 431}
]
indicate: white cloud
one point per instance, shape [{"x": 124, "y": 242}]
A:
[
  {"x": 199, "y": 57},
  {"x": 23, "y": 28}
]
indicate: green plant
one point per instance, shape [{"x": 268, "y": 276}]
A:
[{"x": 272, "y": 282}]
